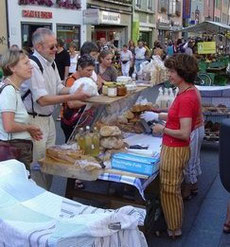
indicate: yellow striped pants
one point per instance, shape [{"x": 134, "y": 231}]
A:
[{"x": 173, "y": 162}]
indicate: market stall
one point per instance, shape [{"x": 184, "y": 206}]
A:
[
  {"x": 212, "y": 51},
  {"x": 122, "y": 115}
]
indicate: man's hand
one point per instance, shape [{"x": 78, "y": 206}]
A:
[{"x": 35, "y": 132}]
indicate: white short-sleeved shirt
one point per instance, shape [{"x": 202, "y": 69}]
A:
[
  {"x": 42, "y": 84},
  {"x": 126, "y": 56},
  {"x": 140, "y": 53},
  {"x": 10, "y": 101}
]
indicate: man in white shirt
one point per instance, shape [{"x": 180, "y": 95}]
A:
[
  {"x": 46, "y": 90},
  {"x": 126, "y": 58},
  {"x": 139, "y": 55}
]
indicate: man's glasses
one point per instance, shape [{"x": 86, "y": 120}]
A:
[{"x": 52, "y": 47}]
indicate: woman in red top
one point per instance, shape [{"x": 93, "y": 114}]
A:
[{"x": 180, "y": 122}]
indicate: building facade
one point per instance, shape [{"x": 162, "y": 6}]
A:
[
  {"x": 3, "y": 27},
  {"x": 109, "y": 19},
  {"x": 144, "y": 22},
  {"x": 169, "y": 19},
  {"x": 63, "y": 17}
]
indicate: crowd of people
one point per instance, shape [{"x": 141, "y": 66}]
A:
[{"x": 45, "y": 79}]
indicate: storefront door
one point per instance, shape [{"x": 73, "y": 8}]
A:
[{"x": 27, "y": 31}]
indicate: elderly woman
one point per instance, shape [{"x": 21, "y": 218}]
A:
[
  {"x": 180, "y": 122},
  {"x": 105, "y": 69},
  {"x": 14, "y": 127}
]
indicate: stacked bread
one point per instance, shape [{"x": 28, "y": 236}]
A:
[{"x": 111, "y": 137}]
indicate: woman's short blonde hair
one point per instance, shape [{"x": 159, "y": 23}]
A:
[{"x": 10, "y": 59}]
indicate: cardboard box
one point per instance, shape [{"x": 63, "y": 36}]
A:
[{"x": 136, "y": 164}]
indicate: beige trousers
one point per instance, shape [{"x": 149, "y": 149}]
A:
[{"x": 47, "y": 127}]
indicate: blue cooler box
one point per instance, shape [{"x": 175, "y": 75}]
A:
[{"x": 135, "y": 163}]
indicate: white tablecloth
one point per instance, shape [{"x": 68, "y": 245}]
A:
[{"x": 31, "y": 216}]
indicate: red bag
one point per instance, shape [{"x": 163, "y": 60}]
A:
[{"x": 8, "y": 151}]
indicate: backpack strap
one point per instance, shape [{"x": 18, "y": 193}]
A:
[
  {"x": 36, "y": 60},
  {"x": 3, "y": 86}
]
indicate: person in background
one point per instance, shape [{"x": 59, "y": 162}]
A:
[
  {"x": 103, "y": 44},
  {"x": 139, "y": 55},
  {"x": 92, "y": 49},
  {"x": 62, "y": 60},
  {"x": 170, "y": 50},
  {"x": 105, "y": 70},
  {"x": 72, "y": 110},
  {"x": 157, "y": 49},
  {"x": 131, "y": 47},
  {"x": 126, "y": 59},
  {"x": 45, "y": 91},
  {"x": 148, "y": 52},
  {"x": 73, "y": 58},
  {"x": 180, "y": 122},
  {"x": 189, "y": 48},
  {"x": 14, "y": 120},
  {"x": 14, "y": 47},
  {"x": 193, "y": 169}
]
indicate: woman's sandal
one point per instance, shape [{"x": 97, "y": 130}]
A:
[
  {"x": 226, "y": 228},
  {"x": 174, "y": 234}
]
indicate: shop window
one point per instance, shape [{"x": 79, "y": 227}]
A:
[
  {"x": 162, "y": 6},
  {"x": 150, "y": 4},
  {"x": 69, "y": 33},
  {"x": 172, "y": 7},
  {"x": 27, "y": 30},
  {"x": 138, "y": 3}
]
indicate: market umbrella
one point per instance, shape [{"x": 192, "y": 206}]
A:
[{"x": 209, "y": 27}]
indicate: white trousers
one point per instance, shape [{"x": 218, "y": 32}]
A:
[
  {"x": 125, "y": 68},
  {"x": 193, "y": 169},
  {"x": 47, "y": 127}
]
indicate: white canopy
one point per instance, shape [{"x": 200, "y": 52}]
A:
[{"x": 209, "y": 27}]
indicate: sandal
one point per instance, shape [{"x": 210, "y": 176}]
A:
[
  {"x": 174, "y": 234},
  {"x": 79, "y": 185},
  {"x": 226, "y": 228}
]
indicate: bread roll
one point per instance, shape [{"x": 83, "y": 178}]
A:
[{"x": 106, "y": 131}]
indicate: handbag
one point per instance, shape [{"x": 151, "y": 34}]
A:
[{"x": 8, "y": 151}]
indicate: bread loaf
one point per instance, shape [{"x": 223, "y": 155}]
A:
[
  {"x": 112, "y": 143},
  {"x": 106, "y": 131}
]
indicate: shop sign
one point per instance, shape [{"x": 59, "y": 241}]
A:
[
  {"x": 207, "y": 47},
  {"x": 110, "y": 17},
  {"x": 96, "y": 17},
  {"x": 37, "y": 14},
  {"x": 91, "y": 16}
]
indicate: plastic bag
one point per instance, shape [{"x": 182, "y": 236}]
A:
[{"x": 89, "y": 86}]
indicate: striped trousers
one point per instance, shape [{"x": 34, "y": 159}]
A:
[{"x": 173, "y": 162}]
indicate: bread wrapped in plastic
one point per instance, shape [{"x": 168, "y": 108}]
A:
[
  {"x": 89, "y": 86},
  {"x": 72, "y": 157},
  {"x": 106, "y": 131}
]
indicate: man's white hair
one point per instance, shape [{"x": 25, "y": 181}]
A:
[{"x": 39, "y": 35}]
